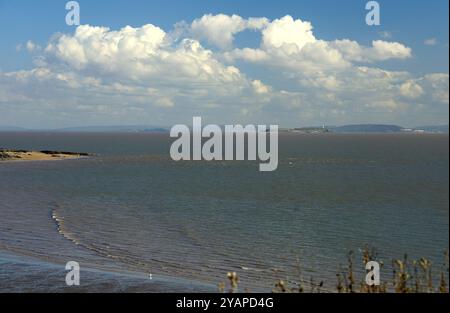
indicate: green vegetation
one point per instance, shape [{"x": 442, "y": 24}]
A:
[{"x": 408, "y": 276}]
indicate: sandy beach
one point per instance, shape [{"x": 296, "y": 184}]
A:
[{"x": 23, "y": 155}]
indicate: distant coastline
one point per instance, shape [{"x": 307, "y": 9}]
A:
[
  {"x": 369, "y": 129},
  {"x": 351, "y": 128}
]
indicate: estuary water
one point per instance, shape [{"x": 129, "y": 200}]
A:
[{"x": 133, "y": 213}]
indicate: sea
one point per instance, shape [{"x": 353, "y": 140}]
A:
[{"x": 137, "y": 221}]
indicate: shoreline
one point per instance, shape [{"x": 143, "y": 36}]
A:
[
  {"x": 7, "y": 155},
  {"x": 39, "y": 276}
]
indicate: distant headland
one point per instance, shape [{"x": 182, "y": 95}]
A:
[
  {"x": 24, "y": 155},
  {"x": 369, "y": 128}
]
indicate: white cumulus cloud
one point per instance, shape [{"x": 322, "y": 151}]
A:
[
  {"x": 149, "y": 75},
  {"x": 220, "y": 29}
]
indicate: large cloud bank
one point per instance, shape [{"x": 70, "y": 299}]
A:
[{"x": 152, "y": 76}]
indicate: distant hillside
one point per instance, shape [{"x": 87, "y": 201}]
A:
[
  {"x": 367, "y": 128},
  {"x": 12, "y": 129}
]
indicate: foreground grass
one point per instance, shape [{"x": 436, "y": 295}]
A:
[{"x": 408, "y": 276}]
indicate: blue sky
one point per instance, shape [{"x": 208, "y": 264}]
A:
[{"x": 418, "y": 25}]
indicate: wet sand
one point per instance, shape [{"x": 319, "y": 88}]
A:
[{"x": 25, "y": 274}]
